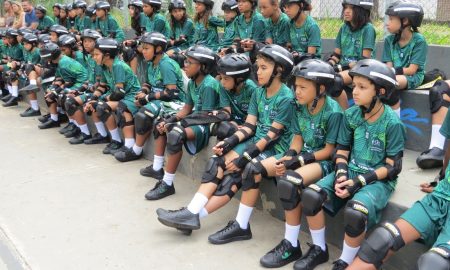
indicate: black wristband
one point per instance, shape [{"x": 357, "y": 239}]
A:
[
  {"x": 291, "y": 153},
  {"x": 399, "y": 71}
]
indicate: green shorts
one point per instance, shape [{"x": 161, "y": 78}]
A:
[
  {"x": 201, "y": 133},
  {"x": 430, "y": 217},
  {"x": 240, "y": 148},
  {"x": 414, "y": 81},
  {"x": 374, "y": 196},
  {"x": 130, "y": 106},
  {"x": 154, "y": 107}
]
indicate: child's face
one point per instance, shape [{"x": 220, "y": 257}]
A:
[
  {"x": 55, "y": 11},
  {"x": 88, "y": 44},
  {"x": 62, "y": 14},
  {"x": 291, "y": 10},
  {"x": 10, "y": 40},
  {"x": 229, "y": 15},
  {"x": 79, "y": 11},
  {"x": 100, "y": 13},
  {"x": 148, "y": 51},
  {"x": 27, "y": 46},
  {"x": 5, "y": 40},
  {"x": 53, "y": 37},
  {"x": 393, "y": 24},
  {"x": 148, "y": 10},
  {"x": 305, "y": 90},
  {"x": 266, "y": 8},
  {"x": 265, "y": 70},
  {"x": 244, "y": 6},
  {"x": 191, "y": 67},
  {"x": 227, "y": 82},
  {"x": 348, "y": 13},
  {"x": 131, "y": 10},
  {"x": 39, "y": 14},
  {"x": 66, "y": 50},
  {"x": 72, "y": 13},
  {"x": 19, "y": 38},
  {"x": 199, "y": 7},
  {"x": 97, "y": 55},
  {"x": 363, "y": 91},
  {"x": 178, "y": 13}
]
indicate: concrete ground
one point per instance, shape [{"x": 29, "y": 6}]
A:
[{"x": 71, "y": 207}]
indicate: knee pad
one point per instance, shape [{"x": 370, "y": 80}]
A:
[
  {"x": 251, "y": 170},
  {"x": 121, "y": 121},
  {"x": 227, "y": 183},
  {"x": 355, "y": 218},
  {"x": 375, "y": 248},
  {"x": 175, "y": 139},
  {"x": 212, "y": 168},
  {"x": 313, "y": 198},
  {"x": 28, "y": 68},
  {"x": 438, "y": 258},
  {"x": 71, "y": 106},
  {"x": 104, "y": 111},
  {"x": 436, "y": 96},
  {"x": 288, "y": 192},
  {"x": 143, "y": 121},
  {"x": 223, "y": 130},
  {"x": 61, "y": 99}
]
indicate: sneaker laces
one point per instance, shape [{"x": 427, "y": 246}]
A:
[
  {"x": 340, "y": 263},
  {"x": 228, "y": 227},
  {"x": 279, "y": 249}
]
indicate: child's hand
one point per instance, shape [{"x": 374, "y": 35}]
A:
[{"x": 427, "y": 187}]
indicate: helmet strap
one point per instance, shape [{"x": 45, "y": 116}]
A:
[{"x": 317, "y": 98}]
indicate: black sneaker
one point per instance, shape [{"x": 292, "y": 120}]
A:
[
  {"x": 44, "y": 118},
  {"x": 339, "y": 265},
  {"x": 312, "y": 258},
  {"x": 432, "y": 158},
  {"x": 281, "y": 255},
  {"x": 49, "y": 124},
  {"x": 150, "y": 172},
  {"x": 63, "y": 117},
  {"x": 80, "y": 138},
  {"x": 66, "y": 128},
  {"x": 97, "y": 139},
  {"x": 73, "y": 132},
  {"x": 6, "y": 98},
  {"x": 112, "y": 145},
  {"x": 120, "y": 149},
  {"x": 13, "y": 101},
  {"x": 160, "y": 191},
  {"x": 127, "y": 155},
  {"x": 30, "y": 112},
  {"x": 232, "y": 232},
  {"x": 179, "y": 219}
]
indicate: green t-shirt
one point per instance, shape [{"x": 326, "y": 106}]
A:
[
  {"x": 307, "y": 35},
  {"x": 15, "y": 52},
  {"x": 2, "y": 48},
  {"x": 32, "y": 57},
  {"x": 167, "y": 72},
  {"x": 415, "y": 52},
  {"x": 254, "y": 29},
  {"x": 93, "y": 69},
  {"x": 71, "y": 71},
  {"x": 187, "y": 29},
  {"x": 277, "y": 108},
  {"x": 82, "y": 23},
  {"x": 443, "y": 188},
  {"x": 208, "y": 36},
  {"x": 352, "y": 43},
  {"x": 228, "y": 34},
  {"x": 279, "y": 31},
  {"x": 239, "y": 103},
  {"x": 110, "y": 28},
  {"x": 371, "y": 143},
  {"x": 45, "y": 23},
  {"x": 158, "y": 23},
  {"x": 320, "y": 128},
  {"x": 121, "y": 73},
  {"x": 79, "y": 56},
  {"x": 71, "y": 23},
  {"x": 204, "y": 97}
]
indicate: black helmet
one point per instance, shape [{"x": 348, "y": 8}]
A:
[
  {"x": 11, "y": 32},
  {"x": 89, "y": 33},
  {"x": 365, "y": 4},
  {"x": 234, "y": 65},
  {"x": 42, "y": 9},
  {"x": 24, "y": 30},
  {"x": 155, "y": 39},
  {"x": 280, "y": 56},
  {"x": 2, "y": 33},
  {"x": 153, "y": 3},
  {"x": 58, "y": 5},
  {"x": 59, "y": 30},
  {"x": 204, "y": 55},
  {"x": 209, "y": 4},
  {"x": 174, "y": 4},
  {"x": 67, "y": 41},
  {"x": 70, "y": 7},
  {"x": 30, "y": 38},
  {"x": 315, "y": 70},
  {"x": 377, "y": 72},
  {"x": 90, "y": 11},
  {"x": 44, "y": 38},
  {"x": 103, "y": 5},
  {"x": 80, "y": 4},
  {"x": 136, "y": 3},
  {"x": 108, "y": 45},
  {"x": 50, "y": 51},
  {"x": 286, "y": 2},
  {"x": 230, "y": 5},
  {"x": 401, "y": 9}
]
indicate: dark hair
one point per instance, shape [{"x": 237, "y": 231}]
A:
[
  {"x": 135, "y": 23},
  {"x": 181, "y": 22},
  {"x": 204, "y": 17},
  {"x": 361, "y": 17}
]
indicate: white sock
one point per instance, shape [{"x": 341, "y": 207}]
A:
[
  {"x": 84, "y": 129},
  {"x": 33, "y": 82},
  {"x": 437, "y": 140},
  {"x": 34, "y": 105},
  {"x": 9, "y": 88},
  {"x": 168, "y": 178},
  {"x": 158, "y": 162},
  {"x": 137, "y": 149},
  {"x": 54, "y": 117},
  {"x": 197, "y": 203},
  {"x": 75, "y": 122},
  {"x": 129, "y": 142},
  {"x": 291, "y": 234},
  {"x": 243, "y": 215},
  {"x": 203, "y": 213},
  {"x": 348, "y": 253},
  {"x": 398, "y": 112},
  {"x": 71, "y": 121},
  {"x": 115, "y": 135},
  {"x": 318, "y": 238},
  {"x": 101, "y": 128},
  {"x": 15, "y": 90}
]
